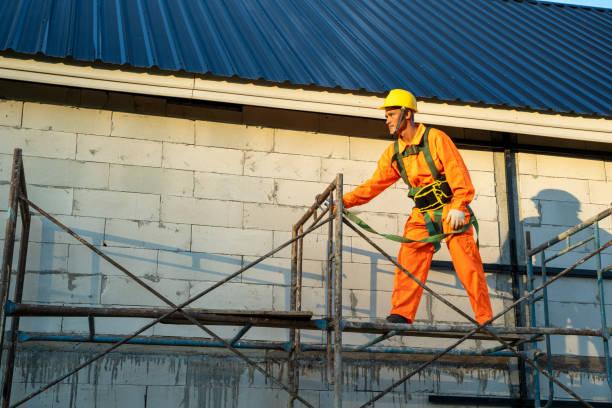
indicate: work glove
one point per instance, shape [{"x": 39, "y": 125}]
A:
[{"x": 456, "y": 219}]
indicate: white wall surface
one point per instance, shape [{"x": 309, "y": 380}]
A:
[{"x": 182, "y": 203}]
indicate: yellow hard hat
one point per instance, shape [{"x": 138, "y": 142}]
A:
[{"x": 400, "y": 97}]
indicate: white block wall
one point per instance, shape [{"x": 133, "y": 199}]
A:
[
  {"x": 183, "y": 203},
  {"x": 556, "y": 193}
]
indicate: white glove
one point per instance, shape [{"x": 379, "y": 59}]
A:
[{"x": 456, "y": 218}]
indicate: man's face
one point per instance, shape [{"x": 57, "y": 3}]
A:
[{"x": 393, "y": 114}]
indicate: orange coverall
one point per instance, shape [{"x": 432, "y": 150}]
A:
[{"x": 416, "y": 257}]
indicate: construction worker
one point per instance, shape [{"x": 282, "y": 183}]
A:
[{"x": 439, "y": 182}]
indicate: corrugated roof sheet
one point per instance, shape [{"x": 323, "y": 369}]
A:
[{"x": 518, "y": 53}]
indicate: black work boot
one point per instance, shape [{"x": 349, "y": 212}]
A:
[{"x": 395, "y": 318}]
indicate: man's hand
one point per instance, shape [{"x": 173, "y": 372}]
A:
[{"x": 456, "y": 218}]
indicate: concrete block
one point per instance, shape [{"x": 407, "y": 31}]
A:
[
  {"x": 153, "y": 127},
  {"x": 117, "y": 150},
  {"x": 315, "y": 245},
  {"x": 151, "y": 180},
  {"x": 94, "y": 99},
  {"x": 271, "y": 217},
  {"x": 390, "y": 200},
  {"x": 117, "y": 290},
  {"x": 280, "y": 118},
  {"x": 151, "y": 105},
  {"x": 527, "y": 163},
  {"x": 202, "y": 158},
  {"x": 568, "y": 213},
  {"x": 115, "y": 204},
  {"x": 383, "y": 223},
  {"x": 203, "y": 110},
  {"x": 484, "y": 182},
  {"x": 485, "y": 208},
  {"x": 313, "y": 300},
  {"x": 52, "y": 200},
  {"x": 489, "y": 233},
  {"x": 491, "y": 254},
  {"x": 66, "y": 119},
  {"x": 95, "y": 395},
  {"x": 88, "y": 228},
  {"x": 555, "y": 166},
  {"x": 59, "y": 145},
  {"x": 65, "y": 173},
  {"x": 367, "y": 276},
  {"x": 286, "y": 166},
  {"x": 600, "y": 192},
  {"x": 44, "y": 257},
  {"x": 6, "y": 164},
  {"x": 197, "y": 266},
  {"x": 234, "y": 136},
  {"x": 107, "y": 326},
  {"x": 556, "y": 189},
  {"x": 578, "y": 290},
  {"x": 40, "y": 324},
  {"x": 353, "y": 172},
  {"x": 234, "y": 188},
  {"x": 363, "y": 252},
  {"x": 481, "y": 160},
  {"x": 166, "y": 396},
  {"x": 353, "y": 126},
  {"x": 21, "y": 390},
  {"x": 529, "y": 211},
  {"x": 170, "y": 237},
  {"x": 311, "y": 144},
  {"x": 232, "y": 241},
  {"x": 187, "y": 210},
  {"x": 61, "y": 288},
  {"x": 277, "y": 271},
  {"x": 367, "y": 149},
  {"x": 299, "y": 193},
  {"x": 271, "y": 398},
  {"x": 141, "y": 262},
  {"x": 608, "y": 165},
  {"x": 237, "y": 296},
  {"x": 10, "y": 113}
]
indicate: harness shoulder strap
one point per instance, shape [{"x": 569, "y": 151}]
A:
[
  {"x": 400, "y": 163},
  {"x": 427, "y": 154}
]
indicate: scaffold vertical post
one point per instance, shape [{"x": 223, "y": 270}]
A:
[
  {"x": 532, "y": 317},
  {"x": 9, "y": 367},
  {"x": 293, "y": 302},
  {"x": 338, "y": 295},
  {"x": 9, "y": 241},
  {"x": 600, "y": 286},
  {"x": 329, "y": 303}
]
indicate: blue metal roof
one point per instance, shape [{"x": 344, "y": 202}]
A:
[{"x": 528, "y": 54}]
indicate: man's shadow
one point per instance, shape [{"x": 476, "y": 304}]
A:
[{"x": 573, "y": 301}]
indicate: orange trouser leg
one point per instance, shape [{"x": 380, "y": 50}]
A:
[
  {"x": 416, "y": 259},
  {"x": 468, "y": 266}
]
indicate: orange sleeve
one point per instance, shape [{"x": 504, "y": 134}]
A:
[
  {"x": 455, "y": 170},
  {"x": 383, "y": 177}
]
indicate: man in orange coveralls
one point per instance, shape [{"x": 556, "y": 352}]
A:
[{"x": 437, "y": 202}]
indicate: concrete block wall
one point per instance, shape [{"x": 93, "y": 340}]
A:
[
  {"x": 183, "y": 202},
  {"x": 556, "y": 193}
]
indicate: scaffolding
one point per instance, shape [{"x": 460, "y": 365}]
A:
[{"x": 512, "y": 339}]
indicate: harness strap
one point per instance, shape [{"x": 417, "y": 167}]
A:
[
  {"x": 427, "y": 154},
  {"x": 432, "y": 239},
  {"x": 434, "y": 227}
]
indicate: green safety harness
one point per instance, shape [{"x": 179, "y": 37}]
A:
[{"x": 431, "y": 197}]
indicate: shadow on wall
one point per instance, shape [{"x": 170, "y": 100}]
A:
[
  {"x": 573, "y": 301},
  {"x": 155, "y": 263}
]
